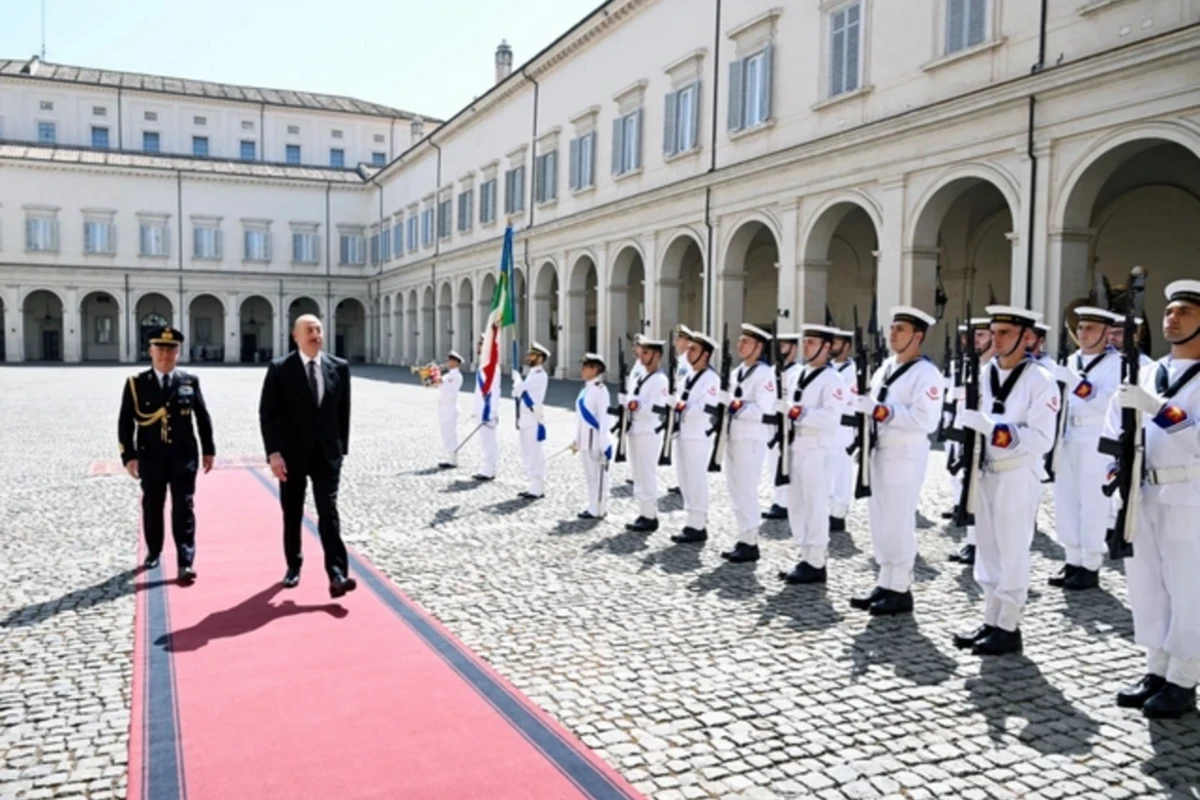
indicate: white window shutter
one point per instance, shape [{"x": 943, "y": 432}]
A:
[
  {"x": 695, "y": 114},
  {"x": 267, "y": 245},
  {"x": 30, "y": 234},
  {"x": 837, "y": 50},
  {"x": 573, "y": 165},
  {"x": 955, "y": 10},
  {"x": 735, "y": 94},
  {"x": 768, "y": 67},
  {"x": 637, "y": 147},
  {"x": 976, "y": 22},
  {"x": 669, "y": 134},
  {"x": 853, "y": 36},
  {"x": 618, "y": 144},
  {"x": 552, "y": 176},
  {"x": 53, "y": 225},
  {"x": 590, "y": 162},
  {"x": 166, "y": 240},
  {"x": 112, "y": 237},
  {"x": 195, "y": 242},
  {"x": 220, "y": 244},
  {"x": 248, "y": 245}
]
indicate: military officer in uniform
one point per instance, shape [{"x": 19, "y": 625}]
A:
[
  {"x": 841, "y": 465},
  {"x": 1018, "y": 409},
  {"x": 694, "y": 396},
  {"x": 592, "y": 435},
  {"x": 158, "y": 447},
  {"x": 751, "y": 399},
  {"x": 648, "y": 400},
  {"x": 787, "y": 370},
  {"x": 1163, "y": 591},
  {"x": 904, "y": 405},
  {"x": 530, "y": 392},
  {"x": 449, "y": 385}
]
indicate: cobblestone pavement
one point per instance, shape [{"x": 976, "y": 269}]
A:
[{"x": 694, "y": 677}]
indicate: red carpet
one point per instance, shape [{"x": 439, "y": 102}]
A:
[{"x": 243, "y": 689}]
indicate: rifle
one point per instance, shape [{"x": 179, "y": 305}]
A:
[
  {"x": 1130, "y": 449},
  {"x": 622, "y": 409},
  {"x": 947, "y": 397},
  {"x": 1054, "y": 457},
  {"x": 783, "y": 425},
  {"x": 667, "y": 411},
  {"x": 878, "y": 352},
  {"x": 862, "y": 445},
  {"x": 972, "y": 442},
  {"x": 720, "y": 412},
  {"x": 950, "y": 404}
]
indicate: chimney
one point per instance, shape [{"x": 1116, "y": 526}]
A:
[
  {"x": 418, "y": 129},
  {"x": 503, "y": 60}
]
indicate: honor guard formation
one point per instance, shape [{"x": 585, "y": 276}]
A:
[{"x": 828, "y": 418}]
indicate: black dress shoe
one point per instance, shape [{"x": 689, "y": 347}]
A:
[
  {"x": 964, "y": 556},
  {"x": 187, "y": 576},
  {"x": 863, "y": 603},
  {"x": 1136, "y": 696},
  {"x": 965, "y": 641},
  {"x": 892, "y": 603},
  {"x": 481, "y": 477},
  {"x": 804, "y": 572},
  {"x": 151, "y": 562},
  {"x": 446, "y": 465},
  {"x": 837, "y": 524},
  {"x": 1063, "y": 575},
  {"x": 999, "y": 642},
  {"x": 690, "y": 536},
  {"x": 530, "y": 496},
  {"x": 741, "y": 553},
  {"x": 675, "y": 490},
  {"x": 291, "y": 579},
  {"x": 776, "y": 511},
  {"x": 586, "y": 515},
  {"x": 1083, "y": 579},
  {"x": 642, "y": 525},
  {"x": 339, "y": 585},
  {"x": 1172, "y": 701}
]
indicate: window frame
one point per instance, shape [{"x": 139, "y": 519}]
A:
[{"x": 157, "y": 139}]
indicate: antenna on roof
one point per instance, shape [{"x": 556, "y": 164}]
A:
[{"x": 43, "y": 30}]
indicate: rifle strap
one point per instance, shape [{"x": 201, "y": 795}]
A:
[{"x": 1162, "y": 376}]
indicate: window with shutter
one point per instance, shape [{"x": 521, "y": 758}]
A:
[
  {"x": 845, "y": 27},
  {"x": 735, "y": 115},
  {"x": 976, "y": 22},
  {"x": 573, "y": 165},
  {"x": 670, "y": 138},
  {"x": 956, "y": 14},
  {"x": 587, "y": 161},
  {"x": 618, "y": 145}
]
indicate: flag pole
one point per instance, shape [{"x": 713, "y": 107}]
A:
[{"x": 516, "y": 337}]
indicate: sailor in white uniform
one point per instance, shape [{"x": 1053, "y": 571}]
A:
[
  {"x": 904, "y": 404},
  {"x": 1164, "y": 592},
  {"x": 814, "y": 404},
  {"x": 982, "y": 331},
  {"x": 841, "y": 463},
  {"x": 648, "y": 401},
  {"x": 788, "y": 345},
  {"x": 592, "y": 440},
  {"x": 751, "y": 406},
  {"x": 487, "y": 411},
  {"x": 1018, "y": 408},
  {"x": 1091, "y": 377},
  {"x": 530, "y": 392},
  {"x": 449, "y": 385},
  {"x": 683, "y": 370},
  {"x": 692, "y": 450}
]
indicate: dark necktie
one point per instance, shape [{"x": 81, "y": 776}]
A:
[
  {"x": 312, "y": 381},
  {"x": 166, "y": 382}
]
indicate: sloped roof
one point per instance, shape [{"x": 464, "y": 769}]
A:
[{"x": 36, "y": 69}]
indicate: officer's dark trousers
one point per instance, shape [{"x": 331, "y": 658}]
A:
[
  {"x": 325, "y": 478},
  {"x": 179, "y": 475}
]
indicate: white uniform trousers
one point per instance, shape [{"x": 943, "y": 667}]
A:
[
  {"x": 691, "y": 465},
  {"x": 448, "y": 419},
  {"x": 841, "y": 479},
  {"x": 743, "y": 468},
  {"x": 1081, "y": 510},
  {"x": 595, "y": 471},
  {"x": 642, "y": 451},
  {"x": 808, "y": 499},
  {"x": 895, "y": 490},
  {"x": 1164, "y": 592},
  {"x": 491, "y": 450},
  {"x": 533, "y": 457},
  {"x": 1004, "y": 520}
]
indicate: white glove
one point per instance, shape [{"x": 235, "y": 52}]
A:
[
  {"x": 1136, "y": 397},
  {"x": 539, "y": 415},
  {"x": 622, "y": 399},
  {"x": 782, "y": 406},
  {"x": 1066, "y": 375},
  {"x": 864, "y": 405},
  {"x": 977, "y": 421},
  {"x": 960, "y": 393}
]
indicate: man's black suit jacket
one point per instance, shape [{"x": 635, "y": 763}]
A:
[{"x": 292, "y": 424}]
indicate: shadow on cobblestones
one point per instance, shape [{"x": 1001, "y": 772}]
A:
[
  {"x": 462, "y": 486},
  {"x": 729, "y": 582},
  {"x": 1099, "y": 613},
  {"x": 622, "y": 544},
  {"x": 806, "y": 608},
  {"x": 1171, "y": 764},
  {"x": 444, "y": 515},
  {"x": 1014, "y": 687},
  {"x": 966, "y": 581},
  {"x": 674, "y": 560},
  {"x": 842, "y": 545},
  {"x": 1044, "y": 543},
  {"x": 567, "y": 527},
  {"x": 247, "y": 616},
  {"x": 669, "y": 503},
  {"x": 110, "y": 589},
  {"x": 505, "y": 507},
  {"x": 898, "y": 641}
]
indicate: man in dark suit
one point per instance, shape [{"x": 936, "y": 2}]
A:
[
  {"x": 304, "y": 414},
  {"x": 157, "y": 443}
]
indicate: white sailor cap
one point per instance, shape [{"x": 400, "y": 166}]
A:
[
  {"x": 1093, "y": 314},
  {"x": 912, "y": 315},
  {"x": 825, "y": 332},
  {"x": 755, "y": 332},
  {"x": 1183, "y": 292},
  {"x": 1042, "y": 328},
  {"x": 1119, "y": 321},
  {"x": 594, "y": 358},
  {"x": 539, "y": 348},
  {"x": 454, "y": 354},
  {"x": 683, "y": 330},
  {"x": 646, "y": 341},
  {"x": 1014, "y": 315},
  {"x": 703, "y": 339},
  {"x": 843, "y": 334},
  {"x": 788, "y": 338},
  {"x": 980, "y": 323}
]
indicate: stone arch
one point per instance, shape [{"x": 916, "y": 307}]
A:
[
  {"x": 256, "y": 329},
  {"x": 681, "y": 288},
  {"x": 412, "y": 328},
  {"x": 349, "y": 332},
  {"x": 151, "y": 309},
  {"x": 839, "y": 269},
  {"x": 206, "y": 327},
  {"x": 583, "y": 303},
  {"x": 464, "y": 333},
  {"x": 627, "y": 293},
  {"x": 42, "y": 324},
  {"x": 487, "y": 288},
  {"x": 100, "y": 314},
  {"x": 750, "y": 274},
  {"x": 445, "y": 321},
  {"x": 544, "y": 323}
]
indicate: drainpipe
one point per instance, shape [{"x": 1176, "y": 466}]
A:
[
  {"x": 179, "y": 215},
  {"x": 437, "y": 205},
  {"x": 532, "y": 150},
  {"x": 1033, "y": 162},
  {"x": 710, "y": 264},
  {"x": 120, "y": 122},
  {"x": 392, "y": 140},
  {"x": 328, "y": 231},
  {"x": 262, "y": 132},
  {"x": 129, "y": 318}
]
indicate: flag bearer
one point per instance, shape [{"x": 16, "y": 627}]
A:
[
  {"x": 592, "y": 434},
  {"x": 700, "y": 390},
  {"x": 449, "y": 385},
  {"x": 531, "y": 419},
  {"x": 1018, "y": 408},
  {"x": 648, "y": 400}
]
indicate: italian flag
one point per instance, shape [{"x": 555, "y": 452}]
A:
[{"x": 501, "y": 315}]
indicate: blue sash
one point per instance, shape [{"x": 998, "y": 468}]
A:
[
  {"x": 541, "y": 429},
  {"x": 487, "y": 400}
]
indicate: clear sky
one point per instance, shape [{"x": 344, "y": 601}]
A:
[{"x": 427, "y": 56}]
